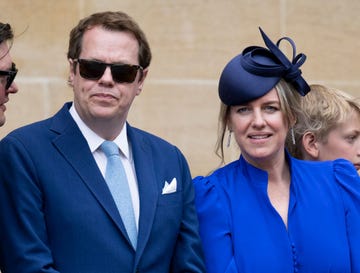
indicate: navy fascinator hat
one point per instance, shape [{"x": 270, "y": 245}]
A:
[{"x": 257, "y": 70}]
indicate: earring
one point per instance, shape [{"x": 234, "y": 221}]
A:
[
  {"x": 292, "y": 136},
  {"x": 229, "y": 139}
]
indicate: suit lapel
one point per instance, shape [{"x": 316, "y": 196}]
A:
[
  {"x": 147, "y": 185},
  {"x": 73, "y": 146}
]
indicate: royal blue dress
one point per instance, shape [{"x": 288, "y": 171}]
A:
[{"x": 243, "y": 233}]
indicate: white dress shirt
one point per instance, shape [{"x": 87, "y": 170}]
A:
[{"x": 94, "y": 141}]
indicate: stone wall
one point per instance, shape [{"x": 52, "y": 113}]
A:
[{"x": 191, "y": 41}]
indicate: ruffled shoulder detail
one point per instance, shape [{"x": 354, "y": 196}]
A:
[
  {"x": 208, "y": 195},
  {"x": 202, "y": 182},
  {"x": 211, "y": 191}
]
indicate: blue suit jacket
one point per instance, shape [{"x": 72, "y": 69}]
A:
[{"x": 57, "y": 214}]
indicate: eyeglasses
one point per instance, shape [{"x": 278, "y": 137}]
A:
[
  {"x": 94, "y": 70},
  {"x": 10, "y": 75}
]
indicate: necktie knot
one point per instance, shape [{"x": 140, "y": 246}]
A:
[{"x": 110, "y": 148}]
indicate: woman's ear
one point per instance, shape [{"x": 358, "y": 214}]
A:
[{"x": 310, "y": 146}]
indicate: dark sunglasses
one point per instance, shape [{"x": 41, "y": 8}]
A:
[
  {"x": 94, "y": 70},
  {"x": 10, "y": 75}
]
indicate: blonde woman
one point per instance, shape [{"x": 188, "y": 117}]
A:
[{"x": 267, "y": 211}]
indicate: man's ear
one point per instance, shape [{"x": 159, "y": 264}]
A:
[
  {"x": 142, "y": 80},
  {"x": 71, "y": 72},
  {"x": 310, "y": 146}
]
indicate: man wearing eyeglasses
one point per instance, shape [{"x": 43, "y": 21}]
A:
[
  {"x": 7, "y": 69},
  {"x": 60, "y": 206}
]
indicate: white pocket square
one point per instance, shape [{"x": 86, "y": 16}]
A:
[{"x": 169, "y": 187}]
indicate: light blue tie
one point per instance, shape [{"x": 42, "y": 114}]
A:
[{"x": 117, "y": 182}]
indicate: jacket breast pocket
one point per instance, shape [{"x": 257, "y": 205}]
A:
[{"x": 170, "y": 199}]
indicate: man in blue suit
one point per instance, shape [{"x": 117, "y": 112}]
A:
[{"x": 57, "y": 212}]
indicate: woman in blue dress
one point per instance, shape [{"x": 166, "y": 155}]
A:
[{"x": 267, "y": 211}]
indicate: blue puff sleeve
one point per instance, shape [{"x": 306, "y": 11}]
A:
[
  {"x": 349, "y": 183},
  {"x": 215, "y": 226}
]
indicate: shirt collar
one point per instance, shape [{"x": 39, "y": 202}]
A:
[{"x": 94, "y": 141}]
